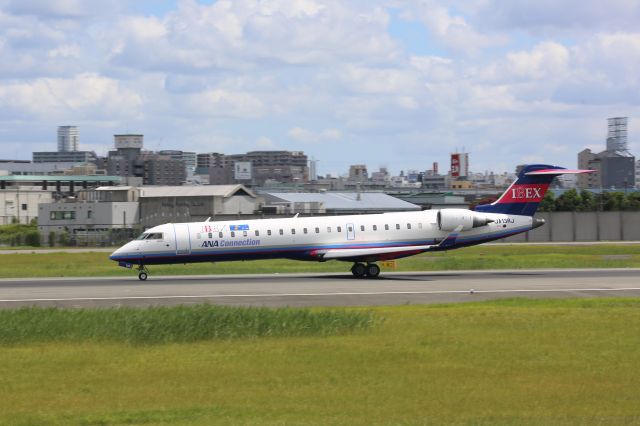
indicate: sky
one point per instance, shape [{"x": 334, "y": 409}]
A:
[{"x": 398, "y": 84}]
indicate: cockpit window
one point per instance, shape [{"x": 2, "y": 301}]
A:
[{"x": 151, "y": 236}]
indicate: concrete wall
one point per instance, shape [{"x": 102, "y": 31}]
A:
[
  {"x": 584, "y": 226},
  {"x": 88, "y": 216},
  {"x": 21, "y": 205}
]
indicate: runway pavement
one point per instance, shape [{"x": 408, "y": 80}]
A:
[{"x": 320, "y": 289}]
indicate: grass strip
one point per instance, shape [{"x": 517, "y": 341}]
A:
[
  {"x": 97, "y": 264},
  {"x": 173, "y": 324},
  {"x": 503, "y": 362}
]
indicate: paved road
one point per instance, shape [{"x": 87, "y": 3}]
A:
[{"x": 320, "y": 289}]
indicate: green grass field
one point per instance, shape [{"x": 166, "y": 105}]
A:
[
  {"x": 511, "y": 362},
  {"x": 478, "y": 257}
]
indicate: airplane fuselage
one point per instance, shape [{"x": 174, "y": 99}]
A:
[{"x": 309, "y": 238}]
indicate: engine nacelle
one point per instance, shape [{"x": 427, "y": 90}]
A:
[{"x": 450, "y": 219}]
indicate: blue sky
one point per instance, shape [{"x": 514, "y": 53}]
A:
[{"x": 385, "y": 83}]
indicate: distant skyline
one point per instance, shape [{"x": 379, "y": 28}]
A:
[{"x": 391, "y": 83}]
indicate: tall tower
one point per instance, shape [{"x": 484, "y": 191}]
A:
[
  {"x": 617, "y": 135},
  {"x": 68, "y": 138}
]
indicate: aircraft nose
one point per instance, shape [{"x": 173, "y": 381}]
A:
[{"x": 116, "y": 255}]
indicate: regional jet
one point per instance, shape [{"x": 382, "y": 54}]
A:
[{"x": 361, "y": 240}]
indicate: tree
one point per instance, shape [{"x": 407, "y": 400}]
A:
[
  {"x": 588, "y": 201},
  {"x": 633, "y": 200},
  {"x": 569, "y": 201},
  {"x": 548, "y": 203}
]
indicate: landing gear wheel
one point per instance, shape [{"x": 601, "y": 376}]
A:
[
  {"x": 373, "y": 270},
  {"x": 142, "y": 276},
  {"x": 358, "y": 270}
]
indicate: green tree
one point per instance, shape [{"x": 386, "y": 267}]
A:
[
  {"x": 32, "y": 239},
  {"x": 548, "y": 203},
  {"x": 633, "y": 201},
  {"x": 587, "y": 201},
  {"x": 569, "y": 201},
  {"x": 613, "y": 201}
]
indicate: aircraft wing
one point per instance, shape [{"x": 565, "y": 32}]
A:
[{"x": 381, "y": 253}]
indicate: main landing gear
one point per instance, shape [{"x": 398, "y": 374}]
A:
[
  {"x": 370, "y": 270},
  {"x": 143, "y": 274}
]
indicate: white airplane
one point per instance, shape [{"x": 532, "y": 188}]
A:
[{"x": 360, "y": 239}]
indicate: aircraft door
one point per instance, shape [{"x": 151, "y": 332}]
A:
[
  {"x": 183, "y": 238},
  {"x": 351, "y": 231}
]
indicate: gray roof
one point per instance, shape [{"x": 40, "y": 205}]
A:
[
  {"x": 194, "y": 191},
  {"x": 343, "y": 200}
]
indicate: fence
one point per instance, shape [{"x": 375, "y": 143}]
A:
[{"x": 583, "y": 226}]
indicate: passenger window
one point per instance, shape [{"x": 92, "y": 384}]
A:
[
  {"x": 328, "y": 229},
  {"x": 281, "y": 232},
  {"x": 397, "y": 226},
  {"x": 386, "y": 227},
  {"x": 257, "y": 233},
  {"x": 210, "y": 235},
  {"x": 317, "y": 230},
  {"x": 375, "y": 227},
  {"x": 268, "y": 231},
  {"x": 233, "y": 234},
  {"x": 304, "y": 230},
  {"x": 339, "y": 229},
  {"x": 362, "y": 227},
  {"x": 408, "y": 226},
  {"x": 220, "y": 234},
  {"x": 293, "y": 231},
  {"x": 244, "y": 233}
]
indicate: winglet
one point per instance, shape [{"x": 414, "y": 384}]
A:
[{"x": 450, "y": 240}]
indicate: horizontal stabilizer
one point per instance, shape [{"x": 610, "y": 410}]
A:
[{"x": 558, "y": 172}]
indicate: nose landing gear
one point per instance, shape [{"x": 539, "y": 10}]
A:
[
  {"x": 143, "y": 274},
  {"x": 370, "y": 270}
]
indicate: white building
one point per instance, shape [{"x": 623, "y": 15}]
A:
[{"x": 68, "y": 138}]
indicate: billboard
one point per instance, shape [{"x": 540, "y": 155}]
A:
[
  {"x": 459, "y": 165},
  {"x": 242, "y": 170}
]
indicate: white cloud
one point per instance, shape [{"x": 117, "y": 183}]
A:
[
  {"x": 82, "y": 96},
  {"x": 310, "y": 137},
  {"x": 546, "y": 60},
  {"x": 452, "y": 31}
]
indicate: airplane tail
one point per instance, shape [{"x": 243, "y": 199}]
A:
[{"x": 527, "y": 191}]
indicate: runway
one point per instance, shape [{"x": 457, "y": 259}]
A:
[{"x": 320, "y": 289}]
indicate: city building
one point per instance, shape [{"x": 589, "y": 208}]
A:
[
  {"x": 68, "y": 138},
  {"x": 460, "y": 165},
  {"x": 68, "y": 149},
  {"x": 332, "y": 203},
  {"x": 211, "y": 159},
  {"x": 188, "y": 158},
  {"x": 19, "y": 168},
  {"x": 615, "y": 167},
  {"x": 165, "y": 204},
  {"x": 114, "y": 213},
  {"x": 257, "y": 168},
  {"x": 21, "y": 194},
  {"x": 434, "y": 201},
  {"x": 64, "y": 157},
  {"x": 358, "y": 173},
  {"x": 129, "y": 160}
]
